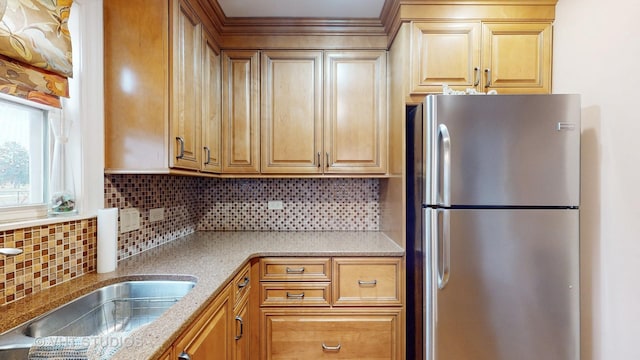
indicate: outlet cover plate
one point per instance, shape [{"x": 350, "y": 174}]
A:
[
  {"x": 156, "y": 214},
  {"x": 275, "y": 205}
]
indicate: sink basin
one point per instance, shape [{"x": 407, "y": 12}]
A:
[{"x": 120, "y": 307}]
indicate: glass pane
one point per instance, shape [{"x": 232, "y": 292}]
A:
[{"x": 23, "y": 149}]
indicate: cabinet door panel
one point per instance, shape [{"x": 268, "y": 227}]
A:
[
  {"x": 518, "y": 57},
  {"x": 240, "y": 111},
  {"x": 445, "y": 53},
  {"x": 209, "y": 338},
  {"x": 186, "y": 104},
  {"x": 355, "y": 112},
  {"x": 211, "y": 114},
  {"x": 291, "y": 111},
  {"x": 242, "y": 336}
]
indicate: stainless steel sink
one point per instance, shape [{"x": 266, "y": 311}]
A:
[{"x": 123, "y": 306}]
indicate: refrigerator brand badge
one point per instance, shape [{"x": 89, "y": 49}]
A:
[{"x": 566, "y": 126}]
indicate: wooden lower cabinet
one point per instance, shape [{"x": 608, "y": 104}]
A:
[
  {"x": 334, "y": 308},
  {"x": 210, "y": 336},
  {"x": 318, "y": 334}
]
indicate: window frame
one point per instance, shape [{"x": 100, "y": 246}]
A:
[
  {"x": 37, "y": 209},
  {"x": 86, "y": 108}
]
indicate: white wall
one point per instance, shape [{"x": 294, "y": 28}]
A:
[{"x": 597, "y": 54}]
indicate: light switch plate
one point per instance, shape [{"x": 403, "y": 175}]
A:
[{"x": 129, "y": 220}]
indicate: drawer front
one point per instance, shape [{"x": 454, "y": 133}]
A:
[
  {"x": 367, "y": 282},
  {"x": 241, "y": 284},
  {"x": 295, "y": 269},
  {"x": 331, "y": 336},
  {"x": 295, "y": 294}
]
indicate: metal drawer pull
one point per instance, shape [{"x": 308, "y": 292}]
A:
[
  {"x": 295, "y": 296},
  {"x": 184, "y": 356},
  {"x": 295, "y": 271},
  {"x": 244, "y": 283},
  {"x": 331, "y": 348},
  {"x": 239, "y": 319},
  {"x": 367, "y": 283}
]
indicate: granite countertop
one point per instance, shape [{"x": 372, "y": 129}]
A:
[{"x": 213, "y": 258}]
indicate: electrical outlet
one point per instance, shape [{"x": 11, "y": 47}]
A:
[
  {"x": 129, "y": 220},
  {"x": 156, "y": 214},
  {"x": 275, "y": 205}
]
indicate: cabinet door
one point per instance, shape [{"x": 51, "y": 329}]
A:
[
  {"x": 240, "y": 111},
  {"x": 445, "y": 53},
  {"x": 185, "y": 103},
  {"x": 291, "y": 111},
  {"x": 517, "y": 57},
  {"x": 211, "y": 336},
  {"x": 355, "y": 133},
  {"x": 211, "y": 114},
  {"x": 242, "y": 337}
]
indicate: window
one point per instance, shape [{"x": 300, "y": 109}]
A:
[{"x": 24, "y": 159}]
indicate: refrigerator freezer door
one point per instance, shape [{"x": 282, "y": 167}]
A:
[
  {"x": 503, "y": 150},
  {"x": 513, "y": 287}
]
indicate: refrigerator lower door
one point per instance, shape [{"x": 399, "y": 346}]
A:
[{"x": 512, "y": 290}]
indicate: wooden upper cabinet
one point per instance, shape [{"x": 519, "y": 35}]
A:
[
  {"x": 291, "y": 120},
  {"x": 136, "y": 85},
  {"x": 162, "y": 82},
  {"x": 211, "y": 113},
  {"x": 240, "y": 111},
  {"x": 518, "y": 57},
  {"x": 185, "y": 84},
  {"x": 355, "y": 103},
  {"x": 445, "y": 53},
  {"x": 506, "y": 57}
]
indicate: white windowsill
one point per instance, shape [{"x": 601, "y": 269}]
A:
[{"x": 44, "y": 221}]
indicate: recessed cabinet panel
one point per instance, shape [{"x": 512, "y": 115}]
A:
[
  {"x": 186, "y": 104},
  {"x": 355, "y": 112},
  {"x": 445, "y": 53},
  {"x": 518, "y": 57},
  {"x": 211, "y": 114},
  {"x": 291, "y": 111},
  {"x": 240, "y": 112}
]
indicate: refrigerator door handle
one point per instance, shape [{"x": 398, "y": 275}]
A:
[
  {"x": 443, "y": 247},
  {"x": 444, "y": 166}
]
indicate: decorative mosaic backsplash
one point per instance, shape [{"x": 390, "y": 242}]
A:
[
  {"x": 308, "y": 205},
  {"x": 178, "y": 195},
  {"x": 59, "y": 252},
  {"x": 52, "y": 254}
]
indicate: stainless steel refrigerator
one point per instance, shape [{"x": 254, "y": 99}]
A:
[{"x": 493, "y": 232}]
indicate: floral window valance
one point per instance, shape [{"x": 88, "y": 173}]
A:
[{"x": 35, "y": 49}]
